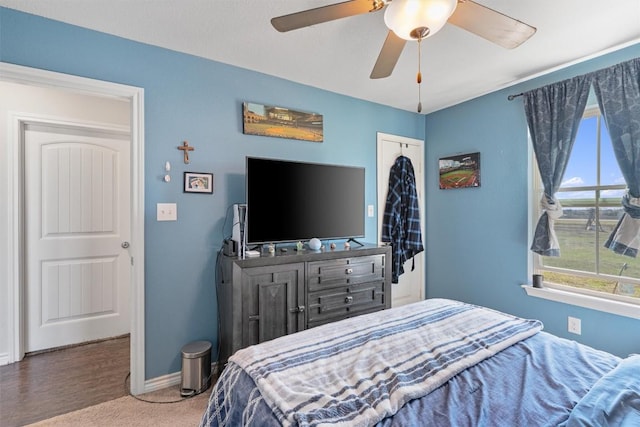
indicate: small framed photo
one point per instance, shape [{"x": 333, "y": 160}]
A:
[{"x": 195, "y": 182}]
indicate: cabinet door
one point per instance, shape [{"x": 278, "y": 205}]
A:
[{"x": 273, "y": 302}]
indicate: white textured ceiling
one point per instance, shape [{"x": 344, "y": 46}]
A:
[{"x": 338, "y": 56}]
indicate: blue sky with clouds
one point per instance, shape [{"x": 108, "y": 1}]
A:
[{"x": 581, "y": 170}]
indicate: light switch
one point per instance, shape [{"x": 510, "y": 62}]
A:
[
  {"x": 167, "y": 212},
  {"x": 370, "y": 211}
]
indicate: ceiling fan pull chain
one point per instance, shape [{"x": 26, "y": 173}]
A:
[{"x": 419, "y": 77}]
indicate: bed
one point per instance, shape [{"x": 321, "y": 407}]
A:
[{"x": 436, "y": 362}]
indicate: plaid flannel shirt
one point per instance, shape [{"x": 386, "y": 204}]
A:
[{"x": 401, "y": 222}]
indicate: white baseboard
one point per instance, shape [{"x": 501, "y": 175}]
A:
[
  {"x": 164, "y": 381},
  {"x": 174, "y": 379},
  {"x": 4, "y": 359}
]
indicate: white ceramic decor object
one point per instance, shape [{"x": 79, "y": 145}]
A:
[{"x": 314, "y": 244}]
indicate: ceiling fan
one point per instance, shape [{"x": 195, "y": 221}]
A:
[{"x": 415, "y": 20}]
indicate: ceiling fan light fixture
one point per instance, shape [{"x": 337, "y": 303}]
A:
[{"x": 412, "y": 19}]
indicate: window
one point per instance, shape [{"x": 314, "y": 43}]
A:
[{"x": 590, "y": 195}]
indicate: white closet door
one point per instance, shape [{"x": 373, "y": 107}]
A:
[{"x": 411, "y": 285}]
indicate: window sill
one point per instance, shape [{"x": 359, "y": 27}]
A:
[{"x": 587, "y": 301}]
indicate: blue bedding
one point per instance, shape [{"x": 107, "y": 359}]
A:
[
  {"x": 535, "y": 382},
  {"x": 614, "y": 400},
  {"x": 363, "y": 369}
]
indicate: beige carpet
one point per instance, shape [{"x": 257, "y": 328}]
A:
[{"x": 129, "y": 411}]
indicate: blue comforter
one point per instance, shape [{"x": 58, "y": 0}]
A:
[
  {"x": 363, "y": 369},
  {"x": 614, "y": 400},
  {"x": 535, "y": 382}
]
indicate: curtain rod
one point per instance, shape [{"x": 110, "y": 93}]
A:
[{"x": 514, "y": 96}]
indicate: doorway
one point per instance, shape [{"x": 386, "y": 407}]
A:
[
  {"x": 77, "y": 232},
  {"x": 411, "y": 285},
  {"x": 18, "y": 117}
]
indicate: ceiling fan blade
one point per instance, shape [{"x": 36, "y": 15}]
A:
[
  {"x": 490, "y": 24},
  {"x": 388, "y": 57},
  {"x": 322, "y": 14}
]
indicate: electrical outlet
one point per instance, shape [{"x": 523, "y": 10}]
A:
[
  {"x": 574, "y": 325},
  {"x": 370, "y": 211},
  {"x": 167, "y": 212}
]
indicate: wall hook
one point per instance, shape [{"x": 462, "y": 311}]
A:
[{"x": 167, "y": 168}]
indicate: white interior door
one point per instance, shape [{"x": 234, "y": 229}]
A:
[
  {"x": 411, "y": 284},
  {"x": 78, "y": 269}
]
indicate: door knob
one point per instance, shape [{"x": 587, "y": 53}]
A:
[{"x": 125, "y": 245}]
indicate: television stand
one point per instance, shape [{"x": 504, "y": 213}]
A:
[
  {"x": 275, "y": 294},
  {"x": 354, "y": 241}
]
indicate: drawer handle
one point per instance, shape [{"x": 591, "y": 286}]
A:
[
  {"x": 348, "y": 300},
  {"x": 349, "y": 270},
  {"x": 298, "y": 309}
]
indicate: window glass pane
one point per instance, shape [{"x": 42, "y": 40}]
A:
[
  {"x": 611, "y": 198},
  {"x": 610, "y": 173},
  {"x": 592, "y": 283},
  {"x": 609, "y": 286},
  {"x": 611, "y": 262},
  {"x": 626, "y": 289},
  {"x": 581, "y": 169},
  {"x": 576, "y": 232}
]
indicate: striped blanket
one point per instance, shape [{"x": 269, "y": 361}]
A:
[{"x": 358, "y": 371}]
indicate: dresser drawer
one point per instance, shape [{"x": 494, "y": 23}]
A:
[
  {"x": 337, "y": 273},
  {"x": 341, "y": 302}
]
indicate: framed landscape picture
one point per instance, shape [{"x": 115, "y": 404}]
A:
[
  {"x": 460, "y": 171},
  {"x": 280, "y": 122}
]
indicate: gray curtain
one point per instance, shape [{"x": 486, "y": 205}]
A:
[
  {"x": 554, "y": 113},
  {"x": 618, "y": 91}
]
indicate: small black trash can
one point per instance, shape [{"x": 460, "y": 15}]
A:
[{"x": 196, "y": 368}]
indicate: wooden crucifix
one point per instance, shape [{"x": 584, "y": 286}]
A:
[{"x": 185, "y": 149}]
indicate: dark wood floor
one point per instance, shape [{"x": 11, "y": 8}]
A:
[{"x": 52, "y": 383}]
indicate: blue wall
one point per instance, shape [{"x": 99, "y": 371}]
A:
[
  {"x": 193, "y": 99},
  {"x": 476, "y": 239}
]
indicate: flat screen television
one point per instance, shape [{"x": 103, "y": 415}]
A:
[{"x": 290, "y": 201}]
